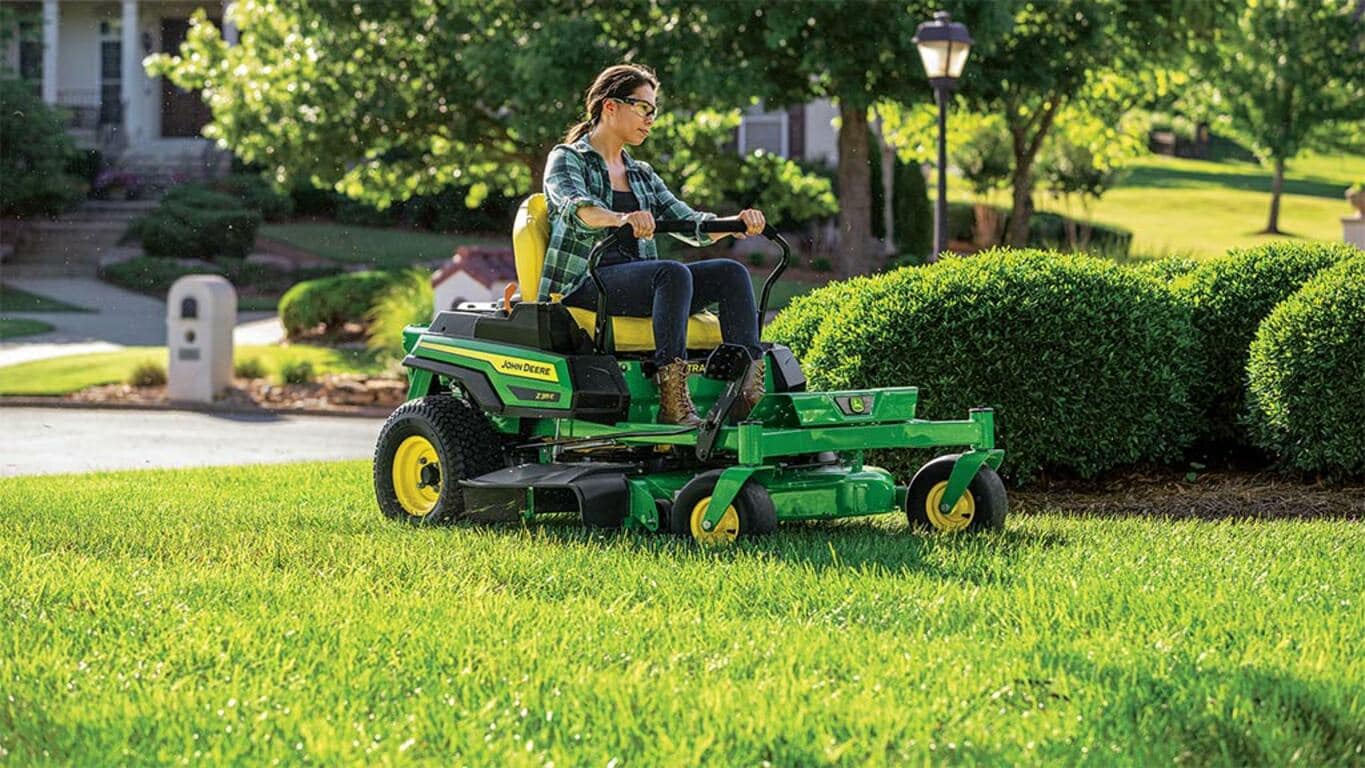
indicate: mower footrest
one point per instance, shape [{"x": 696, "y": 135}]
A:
[{"x": 597, "y": 489}]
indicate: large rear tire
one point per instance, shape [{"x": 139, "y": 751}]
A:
[
  {"x": 425, "y": 448},
  {"x": 982, "y": 507}
]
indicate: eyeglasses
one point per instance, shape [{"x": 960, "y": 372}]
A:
[{"x": 642, "y": 108}]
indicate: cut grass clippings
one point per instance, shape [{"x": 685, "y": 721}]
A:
[
  {"x": 64, "y": 375},
  {"x": 14, "y": 300},
  {"x": 17, "y": 327},
  {"x": 246, "y": 615}
]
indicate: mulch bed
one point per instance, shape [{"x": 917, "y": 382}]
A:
[
  {"x": 1212, "y": 495},
  {"x": 332, "y": 393}
]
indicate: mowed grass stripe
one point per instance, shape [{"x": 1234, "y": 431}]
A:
[{"x": 248, "y": 614}]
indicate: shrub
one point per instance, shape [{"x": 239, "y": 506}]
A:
[
  {"x": 914, "y": 216},
  {"x": 1083, "y": 360},
  {"x": 1167, "y": 269},
  {"x": 253, "y": 192},
  {"x": 148, "y": 374},
  {"x": 34, "y": 152},
  {"x": 1228, "y": 297},
  {"x": 331, "y": 302},
  {"x": 249, "y": 368},
  {"x": 1306, "y": 375},
  {"x": 805, "y": 316},
  {"x": 196, "y": 222},
  {"x": 408, "y": 301},
  {"x": 297, "y": 372}
]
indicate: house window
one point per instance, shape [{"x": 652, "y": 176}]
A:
[
  {"x": 111, "y": 72},
  {"x": 767, "y": 131}
]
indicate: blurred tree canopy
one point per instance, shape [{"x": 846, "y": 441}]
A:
[
  {"x": 382, "y": 101},
  {"x": 1288, "y": 75}
]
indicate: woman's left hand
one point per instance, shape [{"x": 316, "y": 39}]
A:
[{"x": 754, "y": 220}]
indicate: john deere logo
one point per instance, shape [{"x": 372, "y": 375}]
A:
[
  {"x": 856, "y": 404},
  {"x": 524, "y": 367}
]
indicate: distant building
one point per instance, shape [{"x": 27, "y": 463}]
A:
[
  {"x": 473, "y": 274},
  {"x": 86, "y": 56},
  {"x": 804, "y": 132}
]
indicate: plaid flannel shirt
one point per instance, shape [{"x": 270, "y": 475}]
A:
[{"x": 575, "y": 176}]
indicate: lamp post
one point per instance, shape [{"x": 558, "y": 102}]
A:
[{"x": 943, "y": 47}]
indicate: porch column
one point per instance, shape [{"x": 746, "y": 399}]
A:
[
  {"x": 131, "y": 72},
  {"x": 229, "y": 29},
  {"x": 50, "y": 20}
]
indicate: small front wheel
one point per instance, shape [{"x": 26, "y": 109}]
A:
[
  {"x": 982, "y": 507},
  {"x": 750, "y": 514}
]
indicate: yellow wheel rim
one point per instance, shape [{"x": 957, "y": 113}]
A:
[
  {"x": 416, "y": 476},
  {"x": 955, "y": 519},
  {"x": 725, "y": 532}
]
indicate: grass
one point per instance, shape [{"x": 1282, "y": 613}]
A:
[
  {"x": 15, "y": 300},
  {"x": 1205, "y": 208},
  {"x": 62, "y": 375},
  {"x": 246, "y": 615},
  {"x": 376, "y": 247},
  {"x": 14, "y": 328}
]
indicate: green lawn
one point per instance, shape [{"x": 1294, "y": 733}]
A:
[
  {"x": 15, "y": 300},
  {"x": 59, "y": 376},
  {"x": 376, "y": 247},
  {"x": 14, "y": 328},
  {"x": 1204, "y": 208},
  {"x": 247, "y": 615}
]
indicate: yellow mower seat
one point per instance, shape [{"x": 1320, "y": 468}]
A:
[{"x": 530, "y": 239}]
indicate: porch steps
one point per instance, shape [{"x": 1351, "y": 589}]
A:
[{"x": 75, "y": 243}]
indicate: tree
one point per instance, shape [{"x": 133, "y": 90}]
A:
[
  {"x": 1101, "y": 55},
  {"x": 853, "y": 52},
  {"x": 383, "y": 101},
  {"x": 1290, "y": 74}
]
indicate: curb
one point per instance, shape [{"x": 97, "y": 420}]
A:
[{"x": 36, "y": 401}]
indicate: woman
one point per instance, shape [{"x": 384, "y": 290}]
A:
[{"x": 592, "y": 184}]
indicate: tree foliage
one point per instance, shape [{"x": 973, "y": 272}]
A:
[{"x": 1288, "y": 75}]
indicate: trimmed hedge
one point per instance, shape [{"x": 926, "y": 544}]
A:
[
  {"x": 805, "y": 316},
  {"x": 1306, "y": 374},
  {"x": 1228, "y": 298},
  {"x": 331, "y": 302},
  {"x": 1167, "y": 269},
  {"x": 1085, "y": 362},
  {"x": 194, "y": 222}
]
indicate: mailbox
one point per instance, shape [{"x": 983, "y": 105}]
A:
[{"x": 201, "y": 311}]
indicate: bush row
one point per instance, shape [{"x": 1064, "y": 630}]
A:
[{"x": 1091, "y": 365}]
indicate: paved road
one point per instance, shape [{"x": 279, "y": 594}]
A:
[
  {"x": 120, "y": 318},
  {"x": 39, "y": 441}
]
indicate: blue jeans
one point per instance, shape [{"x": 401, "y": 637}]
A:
[{"x": 670, "y": 291}]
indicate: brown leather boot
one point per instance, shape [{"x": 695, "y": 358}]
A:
[
  {"x": 675, "y": 402},
  {"x": 752, "y": 391}
]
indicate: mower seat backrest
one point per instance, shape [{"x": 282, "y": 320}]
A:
[{"x": 531, "y": 238}]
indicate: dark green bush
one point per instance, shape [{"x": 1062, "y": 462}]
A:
[
  {"x": 308, "y": 200},
  {"x": 150, "y": 275},
  {"x": 34, "y": 152},
  {"x": 1228, "y": 297},
  {"x": 254, "y": 192},
  {"x": 199, "y": 224},
  {"x": 1084, "y": 361},
  {"x": 805, "y": 316},
  {"x": 914, "y": 215},
  {"x": 148, "y": 374},
  {"x": 361, "y": 214},
  {"x": 297, "y": 372},
  {"x": 1306, "y": 375},
  {"x": 331, "y": 302},
  {"x": 249, "y": 368}
]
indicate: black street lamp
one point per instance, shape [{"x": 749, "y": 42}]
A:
[{"x": 943, "y": 47}]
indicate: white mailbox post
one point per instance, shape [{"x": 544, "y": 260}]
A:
[{"x": 201, "y": 311}]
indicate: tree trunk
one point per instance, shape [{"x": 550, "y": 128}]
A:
[
  {"x": 1276, "y": 186},
  {"x": 859, "y": 252},
  {"x": 1022, "y": 207}
]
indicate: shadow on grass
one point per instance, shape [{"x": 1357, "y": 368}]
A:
[
  {"x": 1249, "y": 181},
  {"x": 851, "y": 545}
]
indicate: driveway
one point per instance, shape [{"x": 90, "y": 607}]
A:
[
  {"x": 40, "y": 441},
  {"x": 120, "y": 318}
]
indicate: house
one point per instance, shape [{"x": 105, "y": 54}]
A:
[
  {"x": 86, "y": 56},
  {"x": 474, "y": 273},
  {"x": 803, "y": 132}
]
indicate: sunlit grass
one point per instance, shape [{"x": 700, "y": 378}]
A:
[
  {"x": 250, "y": 614},
  {"x": 58, "y": 376}
]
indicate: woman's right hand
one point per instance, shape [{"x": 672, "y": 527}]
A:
[{"x": 642, "y": 222}]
